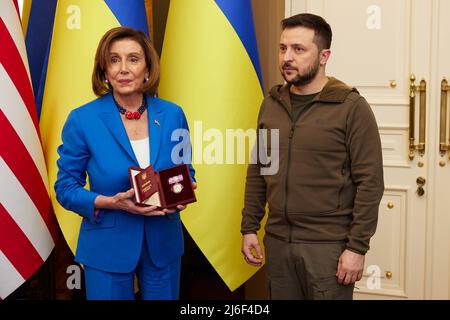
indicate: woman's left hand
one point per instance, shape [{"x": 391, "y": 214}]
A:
[{"x": 179, "y": 207}]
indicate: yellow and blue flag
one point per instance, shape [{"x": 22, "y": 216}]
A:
[
  {"x": 210, "y": 67},
  {"x": 37, "y": 23},
  {"x": 78, "y": 28}
]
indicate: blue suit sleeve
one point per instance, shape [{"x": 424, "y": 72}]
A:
[{"x": 73, "y": 158}]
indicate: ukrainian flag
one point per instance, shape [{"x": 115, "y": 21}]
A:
[
  {"x": 37, "y": 23},
  {"x": 210, "y": 67},
  {"x": 78, "y": 28}
]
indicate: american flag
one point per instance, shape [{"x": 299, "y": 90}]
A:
[{"x": 27, "y": 224}]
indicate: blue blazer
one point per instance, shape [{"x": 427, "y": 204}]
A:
[{"x": 94, "y": 142}]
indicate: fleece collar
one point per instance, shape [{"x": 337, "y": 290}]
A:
[{"x": 335, "y": 91}]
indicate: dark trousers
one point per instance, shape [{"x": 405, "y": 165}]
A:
[{"x": 306, "y": 270}]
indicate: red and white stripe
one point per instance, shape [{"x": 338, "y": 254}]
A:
[{"x": 27, "y": 223}]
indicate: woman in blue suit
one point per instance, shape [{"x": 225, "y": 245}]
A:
[{"x": 126, "y": 126}]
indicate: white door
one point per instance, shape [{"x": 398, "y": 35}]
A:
[
  {"x": 377, "y": 46},
  {"x": 438, "y": 256}
]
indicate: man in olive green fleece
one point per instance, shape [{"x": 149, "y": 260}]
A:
[{"x": 323, "y": 201}]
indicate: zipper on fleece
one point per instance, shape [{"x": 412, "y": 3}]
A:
[{"x": 291, "y": 135}]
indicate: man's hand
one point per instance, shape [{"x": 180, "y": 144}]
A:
[
  {"x": 350, "y": 267},
  {"x": 250, "y": 242}
]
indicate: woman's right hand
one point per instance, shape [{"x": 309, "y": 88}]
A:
[{"x": 123, "y": 201}]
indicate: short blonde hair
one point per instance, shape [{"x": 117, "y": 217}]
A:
[{"x": 99, "y": 86}]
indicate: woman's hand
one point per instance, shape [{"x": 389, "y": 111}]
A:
[
  {"x": 173, "y": 210},
  {"x": 123, "y": 201},
  {"x": 180, "y": 207}
]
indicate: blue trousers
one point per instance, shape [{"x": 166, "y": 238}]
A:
[{"x": 154, "y": 283}]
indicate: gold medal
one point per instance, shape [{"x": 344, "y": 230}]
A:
[{"x": 177, "y": 188}]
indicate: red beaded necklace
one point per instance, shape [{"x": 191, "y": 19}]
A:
[{"x": 132, "y": 115}]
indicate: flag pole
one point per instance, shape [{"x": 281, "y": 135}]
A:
[{"x": 149, "y": 12}]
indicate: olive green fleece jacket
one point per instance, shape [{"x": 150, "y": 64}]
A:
[{"x": 330, "y": 179}]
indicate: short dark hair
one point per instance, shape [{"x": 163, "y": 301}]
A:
[
  {"x": 101, "y": 60},
  {"x": 322, "y": 30}
]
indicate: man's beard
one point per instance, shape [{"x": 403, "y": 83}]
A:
[{"x": 303, "y": 79}]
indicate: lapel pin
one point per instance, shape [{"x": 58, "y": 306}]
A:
[{"x": 157, "y": 122}]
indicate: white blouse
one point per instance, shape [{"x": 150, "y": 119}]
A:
[{"x": 141, "y": 150}]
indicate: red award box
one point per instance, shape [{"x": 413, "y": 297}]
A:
[{"x": 166, "y": 188}]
